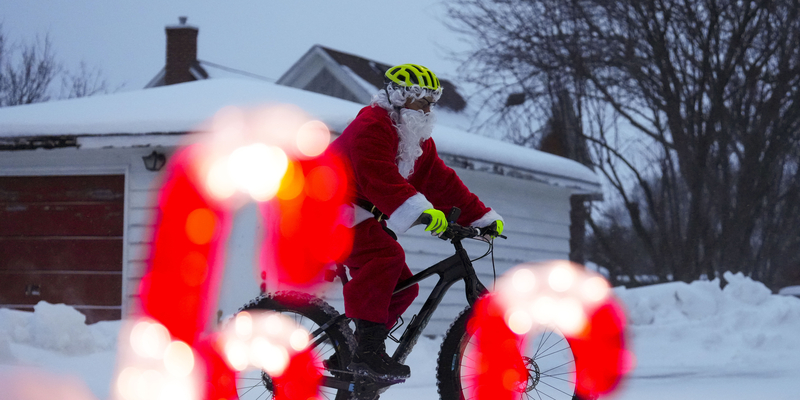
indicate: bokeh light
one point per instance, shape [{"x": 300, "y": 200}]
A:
[
  {"x": 200, "y": 226},
  {"x": 276, "y": 345},
  {"x": 149, "y": 339},
  {"x": 257, "y": 169},
  {"x": 519, "y": 321},
  {"x": 243, "y": 324},
  {"x": 576, "y": 302},
  {"x": 293, "y": 182},
  {"x": 314, "y": 206},
  {"x": 194, "y": 268},
  {"x": 154, "y": 366},
  {"x": 524, "y": 281},
  {"x": 179, "y": 359},
  {"x": 561, "y": 278},
  {"x": 595, "y": 289},
  {"x": 236, "y": 354},
  {"x": 299, "y": 339},
  {"x": 276, "y": 157},
  {"x": 313, "y": 138}
]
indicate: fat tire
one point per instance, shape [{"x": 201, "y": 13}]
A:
[
  {"x": 448, "y": 365},
  {"x": 318, "y": 311}
]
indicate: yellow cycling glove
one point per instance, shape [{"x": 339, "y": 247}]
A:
[
  {"x": 499, "y": 225},
  {"x": 438, "y": 221},
  {"x": 494, "y": 229}
]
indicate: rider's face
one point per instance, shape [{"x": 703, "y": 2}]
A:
[{"x": 424, "y": 104}]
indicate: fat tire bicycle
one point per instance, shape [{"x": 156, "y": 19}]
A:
[{"x": 547, "y": 356}]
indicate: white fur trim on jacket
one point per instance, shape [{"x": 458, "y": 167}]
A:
[
  {"x": 360, "y": 215},
  {"x": 487, "y": 219},
  {"x": 408, "y": 212}
]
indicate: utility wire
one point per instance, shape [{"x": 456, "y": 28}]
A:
[{"x": 238, "y": 71}]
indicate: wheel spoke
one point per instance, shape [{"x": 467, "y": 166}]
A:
[
  {"x": 540, "y": 393},
  {"x": 250, "y": 389},
  {"x": 558, "y": 376},
  {"x": 265, "y": 392},
  {"x": 320, "y": 340},
  {"x": 568, "y": 394},
  {"x": 551, "y": 346},
  {"x": 555, "y": 352},
  {"x": 541, "y": 343},
  {"x": 557, "y": 366}
]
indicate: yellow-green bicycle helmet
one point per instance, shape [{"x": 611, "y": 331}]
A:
[{"x": 408, "y": 75}]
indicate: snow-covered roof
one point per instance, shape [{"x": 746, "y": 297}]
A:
[
  {"x": 160, "y": 116},
  {"x": 176, "y": 108}
]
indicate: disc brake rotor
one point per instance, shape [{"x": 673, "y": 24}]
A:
[{"x": 534, "y": 374}]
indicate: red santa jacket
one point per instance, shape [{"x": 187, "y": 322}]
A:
[{"x": 369, "y": 145}]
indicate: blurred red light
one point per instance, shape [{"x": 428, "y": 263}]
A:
[
  {"x": 601, "y": 359},
  {"x": 300, "y": 380},
  {"x": 306, "y": 230},
  {"x": 311, "y": 232}
]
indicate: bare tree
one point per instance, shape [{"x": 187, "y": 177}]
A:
[
  {"x": 26, "y": 77},
  {"x": 691, "y": 107},
  {"x": 85, "y": 82},
  {"x": 29, "y": 70}
]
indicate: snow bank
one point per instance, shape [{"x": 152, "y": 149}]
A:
[
  {"x": 677, "y": 302},
  {"x": 683, "y": 336},
  {"x": 55, "y": 327},
  {"x": 701, "y": 325}
]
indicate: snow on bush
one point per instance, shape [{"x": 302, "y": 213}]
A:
[{"x": 55, "y": 327}]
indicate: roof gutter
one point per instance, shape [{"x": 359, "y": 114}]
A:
[
  {"x": 38, "y": 142},
  {"x": 90, "y": 141}
]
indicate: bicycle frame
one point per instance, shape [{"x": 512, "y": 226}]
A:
[{"x": 448, "y": 275}]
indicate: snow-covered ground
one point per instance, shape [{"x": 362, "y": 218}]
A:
[{"x": 691, "y": 341}]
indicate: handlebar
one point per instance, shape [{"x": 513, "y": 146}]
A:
[{"x": 456, "y": 231}]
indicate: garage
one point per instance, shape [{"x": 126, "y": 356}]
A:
[{"x": 61, "y": 241}]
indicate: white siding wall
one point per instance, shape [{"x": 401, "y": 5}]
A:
[
  {"x": 536, "y": 214},
  {"x": 143, "y": 186}
]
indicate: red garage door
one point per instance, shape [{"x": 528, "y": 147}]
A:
[{"x": 61, "y": 242}]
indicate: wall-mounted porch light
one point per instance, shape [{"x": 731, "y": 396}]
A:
[{"x": 155, "y": 161}]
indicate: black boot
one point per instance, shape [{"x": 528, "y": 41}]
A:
[{"x": 370, "y": 356}]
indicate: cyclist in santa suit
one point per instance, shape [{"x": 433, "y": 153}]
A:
[{"x": 397, "y": 177}]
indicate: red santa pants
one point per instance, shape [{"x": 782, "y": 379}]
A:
[{"x": 376, "y": 264}]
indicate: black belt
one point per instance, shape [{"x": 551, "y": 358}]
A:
[{"x": 371, "y": 208}]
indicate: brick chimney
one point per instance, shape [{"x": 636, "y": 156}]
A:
[{"x": 181, "y": 52}]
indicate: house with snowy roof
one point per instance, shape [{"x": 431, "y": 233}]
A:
[
  {"x": 347, "y": 76},
  {"x": 79, "y": 178}
]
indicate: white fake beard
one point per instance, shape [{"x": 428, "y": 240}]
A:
[{"x": 414, "y": 128}]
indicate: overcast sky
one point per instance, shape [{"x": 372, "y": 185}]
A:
[{"x": 126, "y": 39}]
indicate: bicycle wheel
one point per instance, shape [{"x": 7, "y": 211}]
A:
[
  {"x": 311, "y": 313},
  {"x": 548, "y": 358}
]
